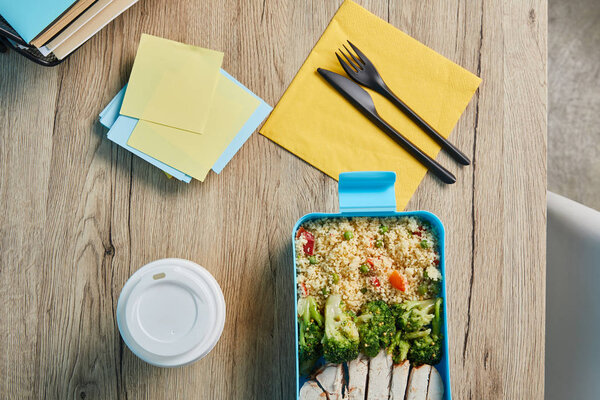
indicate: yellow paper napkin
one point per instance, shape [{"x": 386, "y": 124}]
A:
[
  {"x": 172, "y": 83},
  {"x": 316, "y": 123},
  {"x": 189, "y": 152}
]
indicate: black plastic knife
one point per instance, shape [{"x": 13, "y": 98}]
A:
[{"x": 362, "y": 101}]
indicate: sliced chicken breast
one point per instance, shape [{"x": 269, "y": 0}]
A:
[
  {"x": 312, "y": 391},
  {"x": 331, "y": 379},
  {"x": 417, "y": 383},
  {"x": 380, "y": 376},
  {"x": 357, "y": 377},
  {"x": 399, "y": 380},
  {"x": 435, "y": 390}
]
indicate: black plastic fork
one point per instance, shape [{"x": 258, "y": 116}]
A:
[{"x": 360, "y": 69}]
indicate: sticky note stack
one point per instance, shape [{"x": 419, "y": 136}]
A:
[{"x": 180, "y": 111}]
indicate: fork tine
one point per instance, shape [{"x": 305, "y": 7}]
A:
[
  {"x": 356, "y": 67},
  {"x": 358, "y": 61},
  {"x": 363, "y": 58},
  {"x": 345, "y": 65}
]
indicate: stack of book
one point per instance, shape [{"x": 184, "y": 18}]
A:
[{"x": 58, "y": 27}]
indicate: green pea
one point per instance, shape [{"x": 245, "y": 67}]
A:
[
  {"x": 335, "y": 278},
  {"x": 379, "y": 243},
  {"x": 363, "y": 290},
  {"x": 312, "y": 259},
  {"x": 325, "y": 291},
  {"x": 384, "y": 228},
  {"x": 364, "y": 268},
  {"x": 348, "y": 235},
  {"x": 424, "y": 244},
  {"x": 422, "y": 289}
]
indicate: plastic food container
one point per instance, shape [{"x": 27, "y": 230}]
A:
[
  {"x": 171, "y": 312},
  {"x": 372, "y": 194}
]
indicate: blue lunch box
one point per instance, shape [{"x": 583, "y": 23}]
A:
[{"x": 372, "y": 194}]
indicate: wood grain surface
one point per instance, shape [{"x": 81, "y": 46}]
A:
[{"x": 80, "y": 214}]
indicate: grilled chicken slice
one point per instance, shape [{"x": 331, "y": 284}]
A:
[
  {"x": 417, "y": 383},
  {"x": 380, "y": 374},
  {"x": 435, "y": 390},
  {"x": 331, "y": 379},
  {"x": 357, "y": 377},
  {"x": 399, "y": 380},
  {"x": 311, "y": 391}
]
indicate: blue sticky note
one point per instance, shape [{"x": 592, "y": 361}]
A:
[
  {"x": 110, "y": 114},
  {"x": 30, "y": 17},
  {"x": 249, "y": 127},
  {"x": 119, "y": 133},
  {"x": 243, "y": 135}
]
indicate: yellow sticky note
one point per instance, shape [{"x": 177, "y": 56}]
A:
[
  {"x": 189, "y": 152},
  {"x": 316, "y": 123},
  {"x": 172, "y": 83}
]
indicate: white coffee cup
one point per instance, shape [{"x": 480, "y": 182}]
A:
[{"x": 171, "y": 312}]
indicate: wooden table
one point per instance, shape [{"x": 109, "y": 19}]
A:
[{"x": 79, "y": 214}]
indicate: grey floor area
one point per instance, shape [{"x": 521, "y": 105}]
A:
[{"x": 574, "y": 100}]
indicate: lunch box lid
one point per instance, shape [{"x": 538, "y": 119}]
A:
[
  {"x": 372, "y": 194},
  {"x": 367, "y": 191},
  {"x": 171, "y": 312}
]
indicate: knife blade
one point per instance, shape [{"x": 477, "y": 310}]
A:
[{"x": 363, "y": 102}]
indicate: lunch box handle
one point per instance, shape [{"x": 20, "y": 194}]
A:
[{"x": 367, "y": 191}]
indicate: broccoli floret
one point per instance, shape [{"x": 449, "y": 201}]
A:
[
  {"x": 376, "y": 327},
  {"x": 340, "y": 342},
  {"x": 426, "y": 346},
  {"x": 436, "y": 322},
  {"x": 310, "y": 333},
  {"x": 425, "y": 350},
  {"x": 398, "y": 348},
  {"x": 369, "y": 339},
  {"x": 417, "y": 334},
  {"x": 412, "y": 316}
]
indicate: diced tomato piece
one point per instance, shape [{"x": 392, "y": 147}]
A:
[
  {"x": 299, "y": 232},
  {"x": 375, "y": 281},
  {"x": 371, "y": 265},
  {"x": 398, "y": 281},
  {"x": 309, "y": 246},
  {"x": 304, "y": 289}
]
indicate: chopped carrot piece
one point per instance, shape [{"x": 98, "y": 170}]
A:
[{"x": 398, "y": 281}]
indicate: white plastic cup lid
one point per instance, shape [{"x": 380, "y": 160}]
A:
[{"x": 171, "y": 312}]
